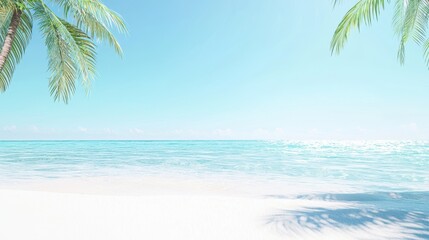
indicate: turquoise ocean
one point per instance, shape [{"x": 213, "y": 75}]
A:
[{"x": 388, "y": 181}]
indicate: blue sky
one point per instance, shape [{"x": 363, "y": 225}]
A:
[{"x": 223, "y": 69}]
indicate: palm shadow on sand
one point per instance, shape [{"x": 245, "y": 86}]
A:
[{"x": 380, "y": 215}]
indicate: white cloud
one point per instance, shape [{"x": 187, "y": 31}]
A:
[
  {"x": 269, "y": 134},
  {"x": 108, "y": 131},
  {"x": 137, "y": 131},
  {"x": 262, "y": 133},
  {"x": 222, "y": 132},
  {"x": 10, "y": 128},
  {"x": 34, "y": 129},
  {"x": 82, "y": 129},
  {"x": 178, "y": 131}
]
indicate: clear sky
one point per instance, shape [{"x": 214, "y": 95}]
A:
[{"x": 242, "y": 69}]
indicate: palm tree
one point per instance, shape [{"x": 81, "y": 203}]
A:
[
  {"x": 71, "y": 47},
  {"x": 410, "y": 21}
]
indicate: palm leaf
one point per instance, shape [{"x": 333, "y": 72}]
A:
[
  {"x": 71, "y": 53},
  {"x": 6, "y": 4},
  {"x": 409, "y": 22},
  {"x": 62, "y": 64},
  {"x": 85, "y": 53},
  {"x": 96, "y": 19},
  {"x": 363, "y": 12},
  {"x": 20, "y": 42},
  {"x": 71, "y": 50}
]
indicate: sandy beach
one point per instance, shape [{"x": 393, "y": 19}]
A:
[
  {"x": 183, "y": 209},
  {"x": 43, "y": 215},
  {"x": 129, "y": 209}
]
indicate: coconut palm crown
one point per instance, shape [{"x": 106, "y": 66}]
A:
[
  {"x": 410, "y": 22},
  {"x": 69, "y": 39}
]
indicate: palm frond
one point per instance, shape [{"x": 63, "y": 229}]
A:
[
  {"x": 365, "y": 11},
  {"x": 85, "y": 53},
  {"x": 96, "y": 19},
  {"x": 5, "y": 16},
  {"x": 426, "y": 52},
  {"x": 6, "y": 4},
  {"x": 62, "y": 64},
  {"x": 20, "y": 42},
  {"x": 421, "y": 22},
  {"x": 71, "y": 50},
  {"x": 409, "y": 21}
]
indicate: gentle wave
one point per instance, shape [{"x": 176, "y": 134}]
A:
[{"x": 374, "y": 165}]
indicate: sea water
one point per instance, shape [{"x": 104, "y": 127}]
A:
[
  {"x": 387, "y": 181},
  {"x": 375, "y": 165}
]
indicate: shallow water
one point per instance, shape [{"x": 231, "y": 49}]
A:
[
  {"x": 386, "y": 183},
  {"x": 371, "y": 165}
]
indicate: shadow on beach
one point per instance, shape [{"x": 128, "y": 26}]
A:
[{"x": 378, "y": 215}]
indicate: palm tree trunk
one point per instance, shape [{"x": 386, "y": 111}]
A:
[{"x": 8, "y": 41}]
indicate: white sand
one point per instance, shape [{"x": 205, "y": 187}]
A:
[
  {"x": 81, "y": 210},
  {"x": 41, "y": 215}
]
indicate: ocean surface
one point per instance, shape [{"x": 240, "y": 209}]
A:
[
  {"x": 386, "y": 181},
  {"x": 375, "y": 166}
]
